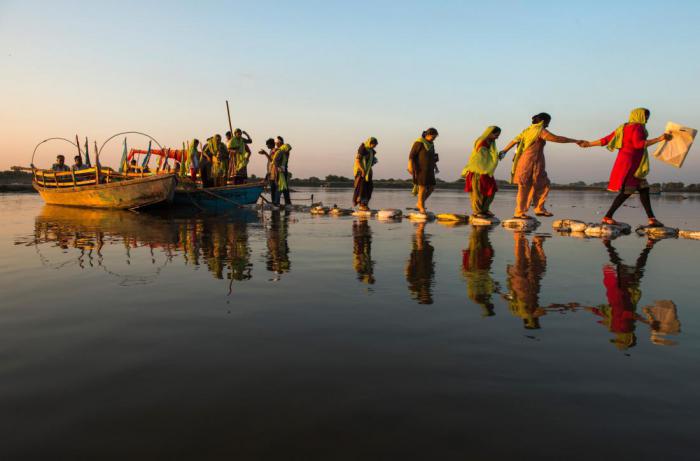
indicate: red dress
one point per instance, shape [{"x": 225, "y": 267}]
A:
[{"x": 634, "y": 137}]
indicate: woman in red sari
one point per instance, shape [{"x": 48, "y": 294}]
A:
[{"x": 632, "y": 164}]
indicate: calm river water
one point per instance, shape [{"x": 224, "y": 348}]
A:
[{"x": 288, "y": 336}]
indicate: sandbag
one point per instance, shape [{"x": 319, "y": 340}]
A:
[
  {"x": 657, "y": 232},
  {"x": 520, "y": 224},
  {"x": 476, "y": 221},
  {"x": 602, "y": 230},
  {"x": 689, "y": 234},
  {"x": 389, "y": 213},
  {"x": 569, "y": 225},
  {"x": 452, "y": 217},
  {"x": 416, "y": 216}
]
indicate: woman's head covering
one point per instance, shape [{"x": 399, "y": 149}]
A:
[
  {"x": 371, "y": 140},
  {"x": 480, "y": 162},
  {"x": 639, "y": 115}
]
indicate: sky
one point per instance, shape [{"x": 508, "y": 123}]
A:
[{"x": 328, "y": 74}]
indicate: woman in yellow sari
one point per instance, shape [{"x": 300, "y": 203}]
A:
[{"x": 478, "y": 173}]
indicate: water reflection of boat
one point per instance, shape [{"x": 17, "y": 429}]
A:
[
  {"x": 216, "y": 242},
  {"x": 420, "y": 268},
  {"x": 362, "y": 251},
  {"x": 476, "y": 269},
  {"x": 619, "y": 315}
]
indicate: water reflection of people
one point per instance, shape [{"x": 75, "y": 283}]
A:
[
  {"x": 476, "y": 268},
  {"x": 524, "y": 279},
  {"x": 619, "y": 315},
  {"x": 420, "y": 269},
  {"x": 277, "y": 246},
  {"x": 362, "y": 251}
]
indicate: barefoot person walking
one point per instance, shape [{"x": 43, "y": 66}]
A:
[
  {"x": 422, "y": 165},
  {"x": 478, "y": 174},
  {"x": 364, "y": 161},
  {"x": 632, "y": 163},
  {"x": 528, "y": 170}
]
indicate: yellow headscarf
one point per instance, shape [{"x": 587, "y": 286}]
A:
[
  {"x": 638, "y": 115},
  {"x": 525, "y": 139},
  {"x": 483, "y": 159}
]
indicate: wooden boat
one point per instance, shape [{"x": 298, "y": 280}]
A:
[
  {"x": 103, "y": 188},
  {"x": 215, "y": 199}
]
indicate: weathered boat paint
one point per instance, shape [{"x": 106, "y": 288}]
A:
[{"x": 132, "y": 193}]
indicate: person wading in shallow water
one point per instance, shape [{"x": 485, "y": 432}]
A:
[
  {"x": 364, "y": 161},
  {"x": 528, "y": 170},
  {"x": 632, "y": 163},
  {"x": 422, "y": 164},
  {"x": 478, "y": 174}
]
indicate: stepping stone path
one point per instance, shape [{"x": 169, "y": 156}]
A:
[
  {"x": 657, "y": 232},
  {"x": 569, "y": 225},
  {"x": 389, "y": 213},
  {"x": 416, "y": 216},
  {"x": 319, "y": 210},
  {"x": 520, "y": 224},
  {"x": 453, "y": 217},
  {"x": 335, "y": 211},
  {"x": 689, "y": 234},
  {"x": 364, "y": 213},
  {"x": 475, "y": 221},
  {"x": 602, "y": 230}
]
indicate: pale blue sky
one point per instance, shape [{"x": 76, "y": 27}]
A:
[{"x": 328, "y": 74}]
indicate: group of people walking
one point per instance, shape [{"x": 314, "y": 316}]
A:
[{"x": 528, "y": 171}]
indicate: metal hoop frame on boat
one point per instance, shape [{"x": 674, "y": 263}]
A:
[
  {"x": 53, "y": 139},
  {"x": 128, "y": 132}
]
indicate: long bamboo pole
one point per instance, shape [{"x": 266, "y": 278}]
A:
[{"x": 232, "y": 161}]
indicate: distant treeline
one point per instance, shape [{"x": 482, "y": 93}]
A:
[{"x": 22, "y": 177}]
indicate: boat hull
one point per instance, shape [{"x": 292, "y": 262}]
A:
[
  {"x": 133, "y": 193},
  {"x": 221, "y": 198}
]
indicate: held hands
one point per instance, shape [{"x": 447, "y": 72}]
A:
[
  {"x": 582, "y": 143},
  {"x": 666, "y": 137},
  {"x": 502, "y": 154}
]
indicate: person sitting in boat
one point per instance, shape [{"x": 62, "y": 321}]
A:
[
  {"x": 78, "y": 165},
  {"x": 60, "y": 164},
  {"x": 239, "y": 153}
]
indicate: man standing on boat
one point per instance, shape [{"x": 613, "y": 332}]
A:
[{"x": 239, "y": 153}]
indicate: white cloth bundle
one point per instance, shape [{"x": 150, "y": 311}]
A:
[{"x": 674, "y": 151}]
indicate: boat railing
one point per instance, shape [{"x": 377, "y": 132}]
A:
[{"x": 74, "y": 178}]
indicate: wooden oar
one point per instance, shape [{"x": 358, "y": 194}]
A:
[{"x": 231, "y": 161}]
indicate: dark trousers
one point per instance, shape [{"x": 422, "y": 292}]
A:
[{"x": 275, "y": 193}]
